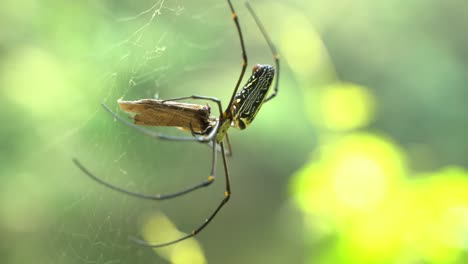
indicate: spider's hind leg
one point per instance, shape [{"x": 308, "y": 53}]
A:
[
  {"x": 205, "y": 183},
  {"x": 225, "y": 199}
]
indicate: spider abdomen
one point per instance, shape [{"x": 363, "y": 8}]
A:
[{"x": 250, "y": 98}]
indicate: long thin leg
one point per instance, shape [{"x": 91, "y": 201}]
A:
[
  {"x": 227, "y": 195},
  {"x": 228, "y": 151},
  {"x": 229, "y": 148},
  {"x": 156, "y": 135},
  {"x": 198, "y": 97},
  {"x": 244, "y": 54},
  {"x": 205, "y": 183},
  {"x": 272, "y": 48},
  {"x": 213, "y": 132}
]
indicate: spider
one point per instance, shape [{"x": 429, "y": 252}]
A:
[{"x": 240, "y": 112}]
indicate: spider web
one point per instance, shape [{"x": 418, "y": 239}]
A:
[
  {"x": 76, "y": 56},
  {"x": 159, "y": 52},
  {"x": 165, "y": 49}
]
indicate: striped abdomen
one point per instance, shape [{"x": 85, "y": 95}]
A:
[{"x": 248, "y": 101}]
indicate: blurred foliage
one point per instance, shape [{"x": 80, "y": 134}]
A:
[
  {"x": 361, "y": 158},
  {"x": 361, "y": 200}
]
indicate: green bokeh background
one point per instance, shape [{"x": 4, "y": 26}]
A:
[{"x": 360, "y": 159}]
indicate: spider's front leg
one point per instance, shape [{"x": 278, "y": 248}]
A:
[
  {"x": 272, "y": 49},
  {"x": 214, "y": 131}
]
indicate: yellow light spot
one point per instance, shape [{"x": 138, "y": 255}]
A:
[
  {"x": 159, "y": 229},
  {"x": 365, "y": 169},
  {"x": 359, "y": 172},
  {"x": 226, "y": 193},
  {"x": 344, "y": 107},
  {"x": 211, "y": 178},
  {"x": 301, "y": 45},
  {"x": 360, "y": 182},
  {"x": 357, "y": 191},
  {"x": 34, "y": 79}
]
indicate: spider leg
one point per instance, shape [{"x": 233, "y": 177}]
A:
[
  {"x": 205, "y": 183},
  {"x": 227, "y": 195},
  {"x": 198, "y": 97},
  {"x": 229, "y": 148},
  {"x": 213, "y": 132},
  {"x": 157, "y": 135},
  {"x": 272, "y": 49},
  {"x": 244, "y": 54},
  {"x": 228, "y": 151}
]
